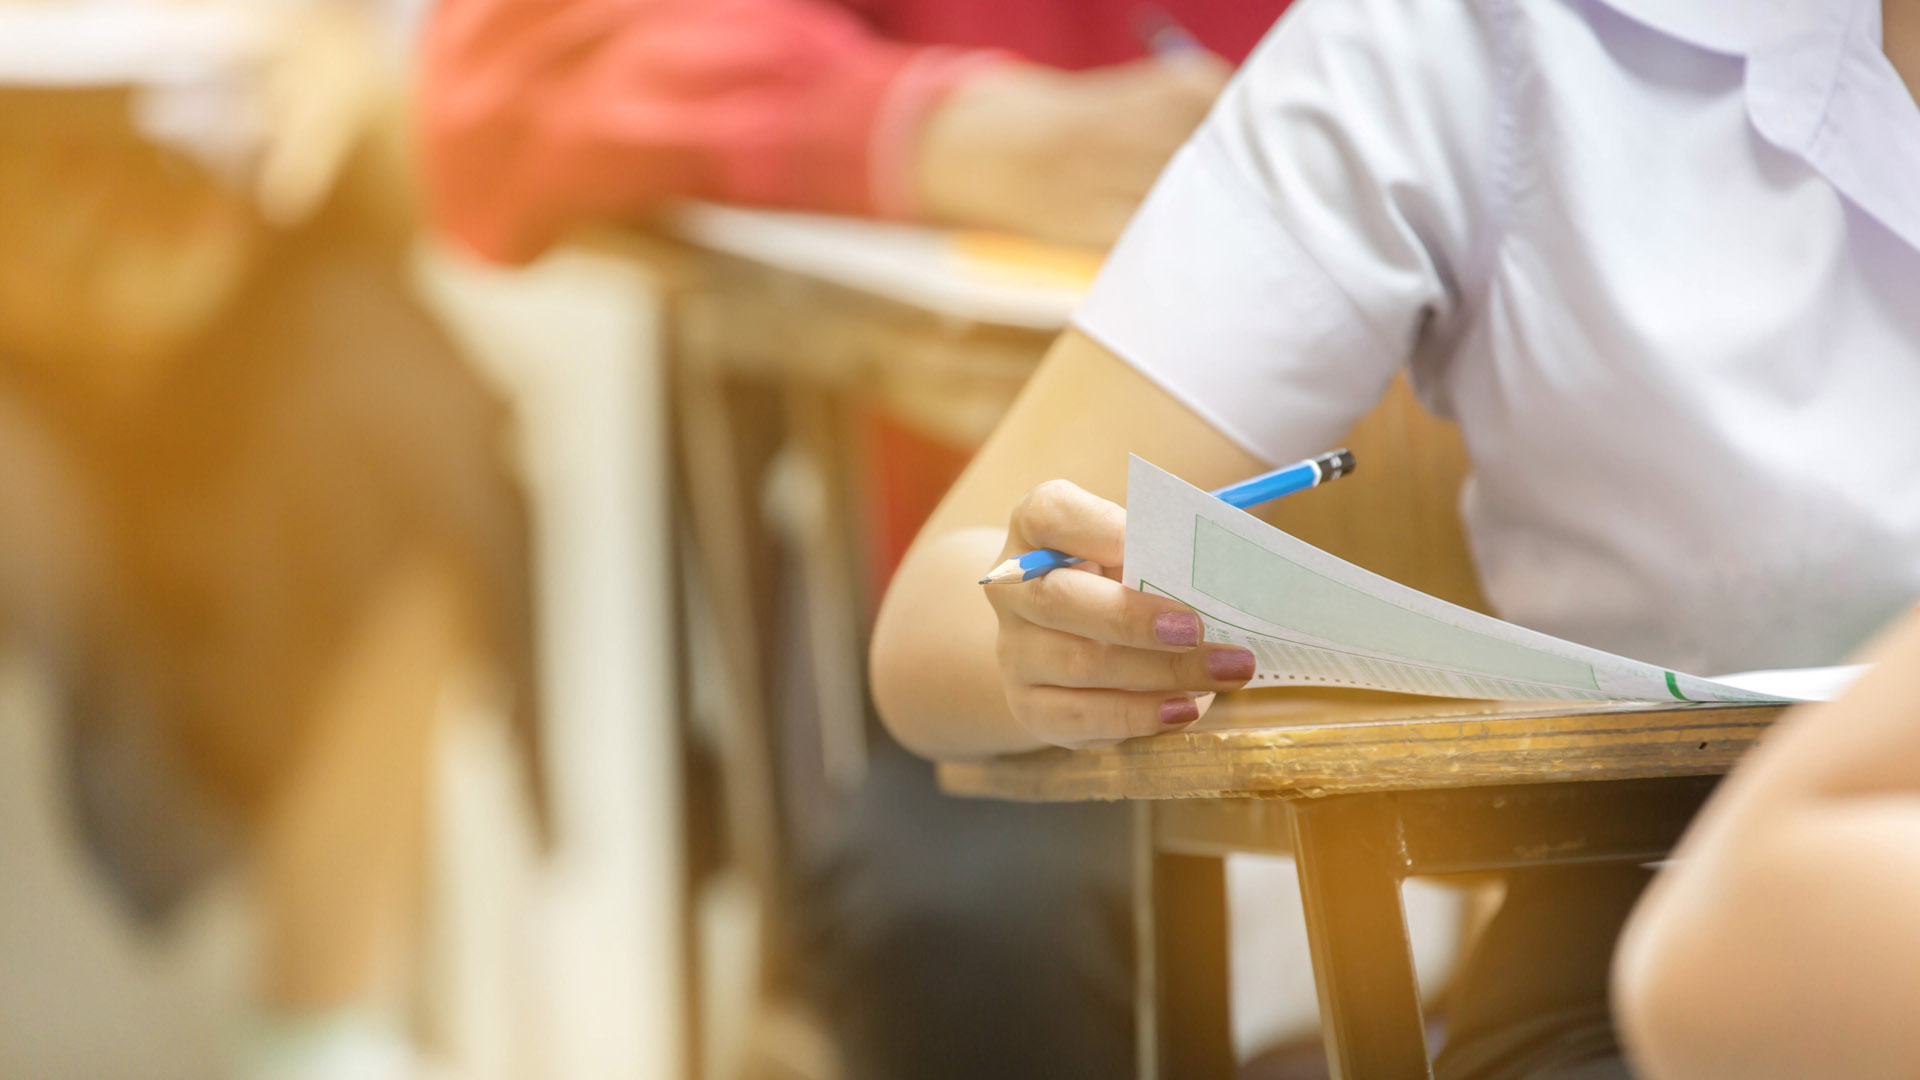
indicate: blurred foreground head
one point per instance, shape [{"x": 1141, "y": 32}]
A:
[{"x": 148, "y": 149}]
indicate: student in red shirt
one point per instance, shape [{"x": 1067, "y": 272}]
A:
[{"x": 1043, "y": 118}]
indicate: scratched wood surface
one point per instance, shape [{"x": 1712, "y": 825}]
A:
[{"x": 1300, "y": 743}]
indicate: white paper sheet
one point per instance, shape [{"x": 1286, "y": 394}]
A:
[
  {"x": 1313, "y": 619},
  {"x": 913, "y": 264},
  {"x": 1799, "y": 684}
]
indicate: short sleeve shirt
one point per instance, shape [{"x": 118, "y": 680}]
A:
[{"x": 1660, "y": 259}]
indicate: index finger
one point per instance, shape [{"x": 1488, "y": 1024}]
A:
[
  {"x": 1062, "y": 515},
  {"x": 1092, "y": 606}
]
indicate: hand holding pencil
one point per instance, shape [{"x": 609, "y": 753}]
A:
[{"x": 1084, "y": 659}]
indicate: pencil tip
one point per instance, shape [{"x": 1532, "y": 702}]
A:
[{"x": 1006, "y": 573}]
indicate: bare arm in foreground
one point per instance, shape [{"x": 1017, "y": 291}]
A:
[{"x": 1784, "y": 941}]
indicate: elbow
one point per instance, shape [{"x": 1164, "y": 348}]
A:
[
  {"x": 1689, "y": 985},
  {"x": 932, "y": 665},
  {"x": 891, "y": 677},
  {"x": 1653, "y": 991}
]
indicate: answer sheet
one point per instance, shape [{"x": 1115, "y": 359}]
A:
[{"x": 1313, "y": 619}]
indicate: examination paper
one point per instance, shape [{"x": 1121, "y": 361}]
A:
[{"x": 1316, "y": 620}]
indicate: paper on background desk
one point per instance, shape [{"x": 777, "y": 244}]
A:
[
  {"x": 1000, "y": 281},
  {"x": 1315, "y": 620}
]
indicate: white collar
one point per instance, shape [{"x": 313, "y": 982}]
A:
[
  {"x": 1734, "y": 27},
  {"x": 1818, "y": 86}
]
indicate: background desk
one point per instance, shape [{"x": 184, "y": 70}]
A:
[
  {"x": 783, "y": 328},
  {"x": 780, "y": 330},
  {"x": 647, "y": 372},
  {"x": 1365, "y": 791}
]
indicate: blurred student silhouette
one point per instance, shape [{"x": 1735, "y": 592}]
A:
[
  {"x": 1041, "y": 118},
  {"x": 254, "y": 514},
  {"x": 951, "y": 938}
]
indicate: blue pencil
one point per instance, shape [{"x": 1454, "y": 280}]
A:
[{"x": 1266, "y": 487}]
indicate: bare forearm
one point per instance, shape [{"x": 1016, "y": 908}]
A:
[
  {"x": 1782, "y": 941},
  {"x": 935, "y": 677},
  {"x": 1795, "y": 955}
]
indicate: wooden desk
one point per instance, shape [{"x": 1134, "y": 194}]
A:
[
  {"x": 767, "y": 369},
  {"x": 1365, "y": 791},
  {"x": 766, "y": 364}
]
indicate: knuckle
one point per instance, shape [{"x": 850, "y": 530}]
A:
[
  {"x": 1046, "y": 505},
  {"x": 1057, "y": 717},
  {"x": 1083, "y": 713},
  {"x": 1145, "y": 720},
  {"x": 1119, "y": 619},
  {"x": 1026, "y": 711},
  {"x": 1082, "y": 659},
  {"x": 1072, "y": 712},
  {"x": 1179, "y": 667},
  {"x": 1097, "y": 715},
  {"x": 1055, "y": 491},
  {"x": 1124, "y": 718},
  {"x": 1023, "y": 507},
  {"x": 1046, "y": 597}
]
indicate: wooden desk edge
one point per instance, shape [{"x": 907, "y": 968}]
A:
[{"x": 1396, "y": 753}]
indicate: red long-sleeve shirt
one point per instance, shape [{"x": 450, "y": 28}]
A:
[{"x": 542, "y": 114}]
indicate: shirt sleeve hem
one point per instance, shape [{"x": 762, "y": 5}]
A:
[
  {"x": 1214, "y": 300},
  {"x": 1182, "y": 394}
]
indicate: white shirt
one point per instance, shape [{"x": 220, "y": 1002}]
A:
[{"x": 1660, "y": 259}]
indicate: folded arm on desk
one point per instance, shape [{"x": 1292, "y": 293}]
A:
[{"x": 540, "y": 115}]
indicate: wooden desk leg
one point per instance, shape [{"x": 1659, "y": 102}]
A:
[
  {"x": 1180, "y": 931},
  {"x": 1350, "y": 864}
]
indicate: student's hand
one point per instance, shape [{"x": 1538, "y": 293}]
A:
[
  {"x": 1058, "y": 155},
  {"x": 1085, "y": 660}
]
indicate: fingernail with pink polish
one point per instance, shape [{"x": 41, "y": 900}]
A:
[
  {"x": 1179, "y": 710},
  {"x": 1230, "y": 665},
  {"x": 1177, "y": 628}
]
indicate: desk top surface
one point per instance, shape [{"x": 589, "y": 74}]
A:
[
  {"x": 1000, "y": 282},
  {"x": 1304, "y": 744}
]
